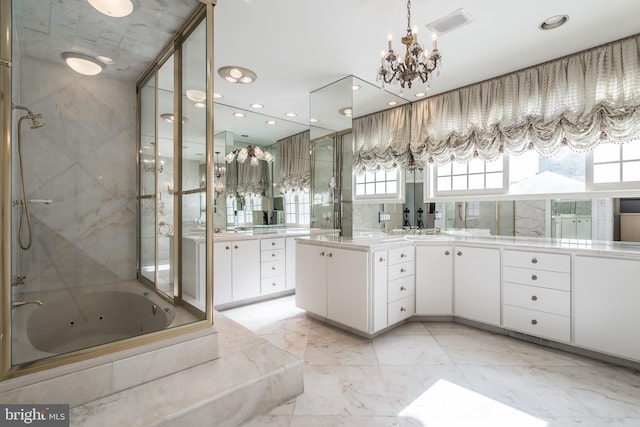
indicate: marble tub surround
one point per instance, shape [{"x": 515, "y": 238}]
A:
[{"x": 437, "y": 374}]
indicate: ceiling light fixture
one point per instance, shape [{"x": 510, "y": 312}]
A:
[
  {"x": 104, "y": 59},
  {"x": 235, "y": 74},
  {"x": 416, "y": 63},
  {"x": 271, "y": 122},
  {"x": 217, "y": 96},
  {"x": 392, "y": 103},
  {"x": 312, "y": 120},
  {"x": 420, "y": 95},
  {"x": 346, "y": 111},
  {"x": 554, "y": 22},
  {"x": 238, "y": 115},
  {"x": 170, "y": 118},
  {"x": 196, "y": 95},
  {"x": 355, "y": 87},
  {"x": 257, "y": 106},
  {"x": 254, "y": 154},
  {"x": 83, "y": 64},
  {"x": 291, "y": 114},
  {"x": 200, "y": 104},
  {"x": 113, "y": 8}
]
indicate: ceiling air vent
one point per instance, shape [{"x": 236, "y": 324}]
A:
[{"x": 450, "y": 22}]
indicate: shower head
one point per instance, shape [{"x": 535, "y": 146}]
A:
[{"x": 35, "y": 123}]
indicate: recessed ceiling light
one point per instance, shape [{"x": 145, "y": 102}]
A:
[
  {"x": 392, "y": 103},
  {"x": 200, "y": 104},
  {"x": 312, "y": 120},
  {"x": 83, "y": 64},
  {"x": 235, "y": 74},
  {"x": 196, "y": 95},
  {"x": 420, "y": 95},
  {"x": 346, "y": 111},
  {"x": 554, "y": 22},
  {"x": 170, "y": 118},
  {"x": 114, "y": 8},
  {"x": 257, "y": 106},
  {"x": 291, "y": 114},
  {"x": 104, "y": 59},
  {"x": 239, "y": 115},
  {"x": 217, "y": 96},
  {"x": 355, "y": 87},
  {"x": 271, "y": 122}
]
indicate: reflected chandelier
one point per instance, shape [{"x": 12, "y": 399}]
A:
[
  {"x": 254, "y": 154},
  {"x": 417, "y": 62}
]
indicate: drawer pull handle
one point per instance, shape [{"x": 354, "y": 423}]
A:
[
  {"x": 329, "y": 254},
  {"x": 402, "y": 288},
  {"x": 534, "y": 322},
  {"x": 459, "y": 253},
  {"x": 402, "y": 270},
  {"x": 534, "y": 260},
  {"x": 381, "y": 259},
  {"x": 235, "y": 247},
  {"x": 446, "y": 252},
  {"x": 403, "y": 309},
  {"x": 534, "y": 277},
  {"x": 534, "y": 298},
  {"x": 321, "y": 253},
  {"x": 403, "y": 255}
]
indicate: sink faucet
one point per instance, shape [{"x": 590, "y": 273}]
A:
[{"x": 20, "y": 303}]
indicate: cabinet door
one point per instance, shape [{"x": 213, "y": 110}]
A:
[
  {"x": 606, "y": 315},
  {"x": 246, "y": 269},
  {"x": 311, "y": 278},
  {"x": 477, "y": 284},
  {"x": 434, "y": 280},
  {"x": 290, "y": 251},
  {"x": 347, "y": 296},
  {"x": 380, "y": 290},
  {"x": 222, "y": 284}
]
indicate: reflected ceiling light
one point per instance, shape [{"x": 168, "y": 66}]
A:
[
  {"x": 83, "y": 64},
  {"x": 239, "y": 115},
  {"x": 554, "y": 22},
  {"x": 254, "y": 154},
  {"x": 196, "y": 95},
  {"x": 313, "y": 120},
  {"x": 114, "y": 8},
  {"x": 217, "y": 95},
  {"x": 271, "y": 122},
  {"x": 416, "y": 62},
  {"x": 200, "y": 104},
  {"x": 291, "y": 114},
  {"x": 257, "y": 106},
  {"x": 346, "y": 111},
  {"x": 104, "y": 59},
  {"x": 420, "y": 95},
  {"x": 355, "y": 87},
  {"x": 392, "y": 103},
  {"x": 235, "y": 74},
  {"x": 170, "y": 118}
]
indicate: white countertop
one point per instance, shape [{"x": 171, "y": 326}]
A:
[{"x": 266, "y": 233}]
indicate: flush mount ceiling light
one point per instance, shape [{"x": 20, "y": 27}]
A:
[
  {"x": 257, "y": 106},
  {"x": 196, "y": 95},
  {"x": 113, "y": 8},
  {"x": 200, "y": 104},
  {"x": 420, "y": 95},
  {"x": 312, "y": 120},
  {"x": 235, "y": 74},
  {"x": 554, "y": 22},
  {"x": 346, "y": 111},
  {"x": 355, "y": 87},
  {"x": 416, "y": 62},
  {"x": 238, "y": 115},
  {"x": 83, "y": 64},
  {"x": 291, "y": 114},
  {"x": 271, "y": 122},
  {"x": 392, "y": 103}
]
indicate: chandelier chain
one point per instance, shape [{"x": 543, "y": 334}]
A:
[{"x": 409, "y": 14}]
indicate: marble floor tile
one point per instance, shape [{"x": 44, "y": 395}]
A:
[
  {"x": 450, "y": 328},
  {"x": 330, "y": 346},
  {"x": 479, "y": 350},
  {"x": 410, "y": 328},
  {"x": 409, "y": 350}
]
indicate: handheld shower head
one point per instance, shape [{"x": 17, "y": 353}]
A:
[{"x": 35, "y": 123}]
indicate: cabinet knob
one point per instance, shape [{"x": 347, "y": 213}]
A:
[
  {"x": 272, "y": 255},
  {"x": 402, "y": 288},
  {"x": 403, "y": 309},
  {"x": 274, "y": 284},
  {"x": 273, "y": 268},
  {"x": 534, "y": 277},
  {"x": 534, "y": 298},
  {"x": 273, "y": 243},
  {"x": 459, "y": 253},
  {"x": 402, "y": 270},
  {"x": 403, "y": 255},
  {"x": 322, "y": 253},
  {"x": 381, "y": 259},
  {"x": 329, "y": 254},
  {"x": 446, "y": 252},
  {"x": 227, "y": 247},
  {"x": 235, "y": 247},
  {"x": 534, "y": 260},
  {"x": 534, "y": 322}
]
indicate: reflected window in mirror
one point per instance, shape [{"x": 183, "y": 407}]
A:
[
  {"x": 380, "y": 186},
  {"x": 475, "y": 176},
  {"x": 297, "y": 208}
]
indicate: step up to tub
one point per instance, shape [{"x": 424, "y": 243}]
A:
[{"x": 251, "y": 377}]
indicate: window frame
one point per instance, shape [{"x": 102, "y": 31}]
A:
[
  {"x": 433, "y": 176},
  {"x": 297, "y": 204},
  {"x": 397, "y": 197}
]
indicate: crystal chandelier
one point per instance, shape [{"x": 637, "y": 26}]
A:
[
  {"x": 254, "y": 154},
  {"x": 417, "y": 62}
]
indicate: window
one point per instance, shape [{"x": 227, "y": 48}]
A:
[
  {"x": 615, "y": 165},
  {"x": 476, "y": 176},
  {"x": 380, "y": 185},
  {"x": 530, "y": 173},
  {"x": 297, "y": 208},
  {"x": 240, "y": 209}
]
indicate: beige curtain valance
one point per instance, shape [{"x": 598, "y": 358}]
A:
[
  {"x": 575, "y": 101},
  {"x": 293, "y": 163}
]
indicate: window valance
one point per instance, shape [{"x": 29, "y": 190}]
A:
[
  {"x": 293, "y": 163},
  {"x": 381, "y": 140},
  {"x": 247, "y": 180},
  {"x": 575, "y": 100}
]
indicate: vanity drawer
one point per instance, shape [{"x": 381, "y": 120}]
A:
[
  {"x": 273, "y": 255},
  {"x": 273, "y": 268},
  {"x": 400, "y": 288},
  {"x": 275, "y": 243},
  {"x": 398, "y": 271},
  {"x": 269, "y": 285},
  {"x": 403, "y": 254},
  {"x": 537, "y": 323},
  {"x": 534, "y": 298},
  {"x": 401, "y": 309},
  {"x": 537, "y": 260},
  {"x": 534, "y": 277}
]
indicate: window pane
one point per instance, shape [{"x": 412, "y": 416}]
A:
[
  {"x": 476, "y": 166},
  {"x": 494, "y": 180},
  {"x": 606, "y": 152},
  {"x": 631, "y": 171},
  {"x": 631, "y": 150},
  {"x": 370, "y": 188},
  {"x": 444, "y": 169},
  {"x": 496, "y": 165},
  {"x": 392, "y": 187},
  {"x": 458, "y": 168},
  {"x": 359, "y": 178},
  {"x": 606, "y": 173},
  {"x": 476, "y": 182},
  {"x": 369, "y": 177},
  {"x": 459, "y": 182},
  {"x": 381, "y": 175},
  {"x": 381, "y": 188},
  {"x": 360, "y": 190},
  {"x": 444, "y": 184},
  {"x": 530, "y": 173}
]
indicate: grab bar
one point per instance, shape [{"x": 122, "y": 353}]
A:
[{"x": 21, "y": 303}]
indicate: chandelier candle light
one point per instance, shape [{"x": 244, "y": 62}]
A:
[
  {"x": 417, "y": 62},
  {"x": 254, "y": 154}
]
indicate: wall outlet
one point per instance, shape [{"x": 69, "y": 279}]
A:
[{"x": 384, "y": 217}]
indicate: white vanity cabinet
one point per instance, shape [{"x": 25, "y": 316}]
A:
[
  {"x": 400, "y": 284},
  {"x": 273, "y": 265},
  {"x": 434, "y": 280},
  {"x": 536, "y": 294},
  {"x": 290, "y": 251},
  {"x": 194, "y": 269},
  {"x": 311, "y": 279},
  {"x": 477, "y": 284},
  {"x": 236, "y": 265},
  {"x": 222, "y": 276},
  {"x": 606, "y": 301}
]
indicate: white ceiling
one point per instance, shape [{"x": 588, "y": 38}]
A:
[{"x": 297, "y": 47}]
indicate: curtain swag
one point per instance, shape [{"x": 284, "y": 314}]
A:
[
  {"x": 247, "y": 180},
  {"x": 294, "y": 163},
  {"x": 574, "y": 101}
]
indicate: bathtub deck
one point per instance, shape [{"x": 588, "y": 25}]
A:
[{"x": 250, "y": 377}]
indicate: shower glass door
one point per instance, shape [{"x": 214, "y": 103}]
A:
[{"x": 147, "y": 180}]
